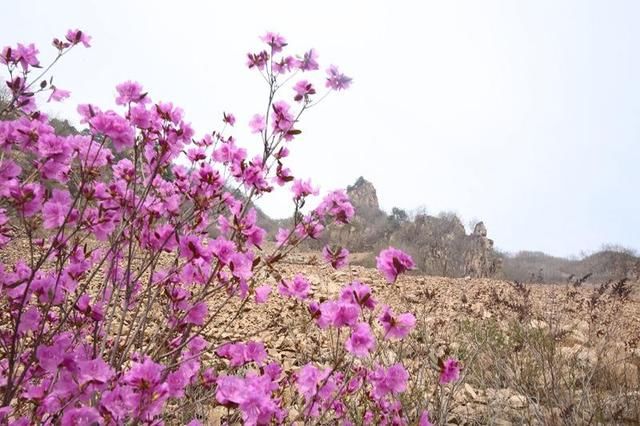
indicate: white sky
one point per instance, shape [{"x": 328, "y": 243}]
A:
[{"x": 525, "y": 114}]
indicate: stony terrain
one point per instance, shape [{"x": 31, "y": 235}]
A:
[{"x": 466, "y": 317}]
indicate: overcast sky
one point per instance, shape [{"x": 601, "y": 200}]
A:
[{"x": 525, "y": 114}]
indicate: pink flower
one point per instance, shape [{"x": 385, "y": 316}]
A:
[
  {"x": 50, "y": 357},
  {"x": 392, "y": 380},
  {"x": 282, "y": 235},
  {"x": 449, "y": 371},
  {"x": 234, "y": 352},
  {"x": 275, "y": 40},
  {"x": 303, "y": 89},
  {"x": 254, "y": 351},
  {"x": 258, "y": 60},
  {"x": 283, "y": 119},
  {"x": 257, "y": 123},
  {"x": 241, "y": 353},
  {"x": 361, "y": 341},
  {"x": 251, "y": 395},
  {"x": 81, "y": 416},
  {"x": 178, "y": 381},
  {"x": 396, "y": 327},
  {"x": 115, "y": 127},
  {"x": 58, "y": 95},
  {"x": 424, "y": 419},
  {"x": 77, "y": 36},
  {"x": 393, "y": 262},
  {"x": 285, "y": 64},
  {"x": 336, "y": 204},
  {"x": 336, "y": 80},
  {"x": 262, "y": 293},
  {"x": 337, "y": 314},
  {"x": 30, "y": 320},
  {"x": 302, "y": 189},
  {"x": 130, "y": 91},
  {"x": 230, "y": 119},
  {"x": 359, "y": 294},
  {"x": 118, "y": 402},
  {"x": 94, "y": 371},
  {"x": 309, "y": 61},
  {"x": 56, "y": 208},
  {"x": 197, "y": 314},
  {"x": 309, "y": 379},
  {"x": 298, "y": 288},
  {"x": 8, "y": 55},
  {"x": 27, "y": 55},
  {"x": 338, "y": 257},
  {"x": 283, "y": 175}
]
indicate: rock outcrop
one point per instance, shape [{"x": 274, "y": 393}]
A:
[
  {"x": 438, "y": 244},
  {"x": 363, "y": 195},
  {"x": 480, "y": 258}
]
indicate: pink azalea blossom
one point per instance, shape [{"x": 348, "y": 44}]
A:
[
  {"x": 229, "y": 119},
  {"x": 336, "y": 205},
  {"x": 303, "y": 189},
  {"x": 393, "y": 262},
  {"x": 303, "y": 90},
  {"x": 283, "y": 119},
  {"x": 309, "y": 61},
  {"x": 115, "y": 127},
  {"x": 258, "y": 60},
  {"x": 197, "y": 314},
  {"x": 257, "y": 123},
  {"x": 337, "y": 314},
  {"x": 27, "y": 55},
  {"x": 361, "y": 341},
  {"x": 81, "y": 416},
  {"x": 396, "y": 327},
  {"x": 424, "y": 419},
  {"x": 275, "y": 41},
  {"x": 118, "y": 402},
  {"x": 337, "y": 258},
  {"x": 77, "y": 36},
  {"x": 252, "y": 396},
  {"x": 282, "y": 235},
  {"x": 336, "y": 80},
  {"x": 56, "y": 208},
  {"x": 309, "y": 377},
  {"x": 392, "y": 380},
  {"x": 285, "y": 64},
  {"x": 449, "y": 371},
  {"x": 130, "y": 91},
  {"x": 299, "y": 288},
  {"x": 94, "y": 371},
  {"x": 262, "y": 293},
  {"x": 358, "y": 294},
  {"x": 241, "y": 353},
  {"x": 58, "y": 95}
]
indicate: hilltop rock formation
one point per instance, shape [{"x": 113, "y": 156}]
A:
[
  {"x": 480, "y": 257},
  {"x": 363, "y": 195},
  {"x": 438, "y": 244}
]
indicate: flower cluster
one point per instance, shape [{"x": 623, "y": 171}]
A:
[{"x": 139, "y": 233}]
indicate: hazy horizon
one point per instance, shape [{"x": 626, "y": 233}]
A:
[{"x": 525, "y": 115}]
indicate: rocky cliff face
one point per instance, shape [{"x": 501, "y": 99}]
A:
[
  {"x": 363, "y": 195},
  {"x": 438, "y": 244},
  {"x": 481, "y": 259}
]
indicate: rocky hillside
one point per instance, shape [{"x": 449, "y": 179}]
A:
[
  {"x": 441, "y": 246},
  {"x": 438, "y": 244}
]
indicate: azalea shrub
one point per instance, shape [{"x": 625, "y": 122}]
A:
[{"x": 136, "y": 234}]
